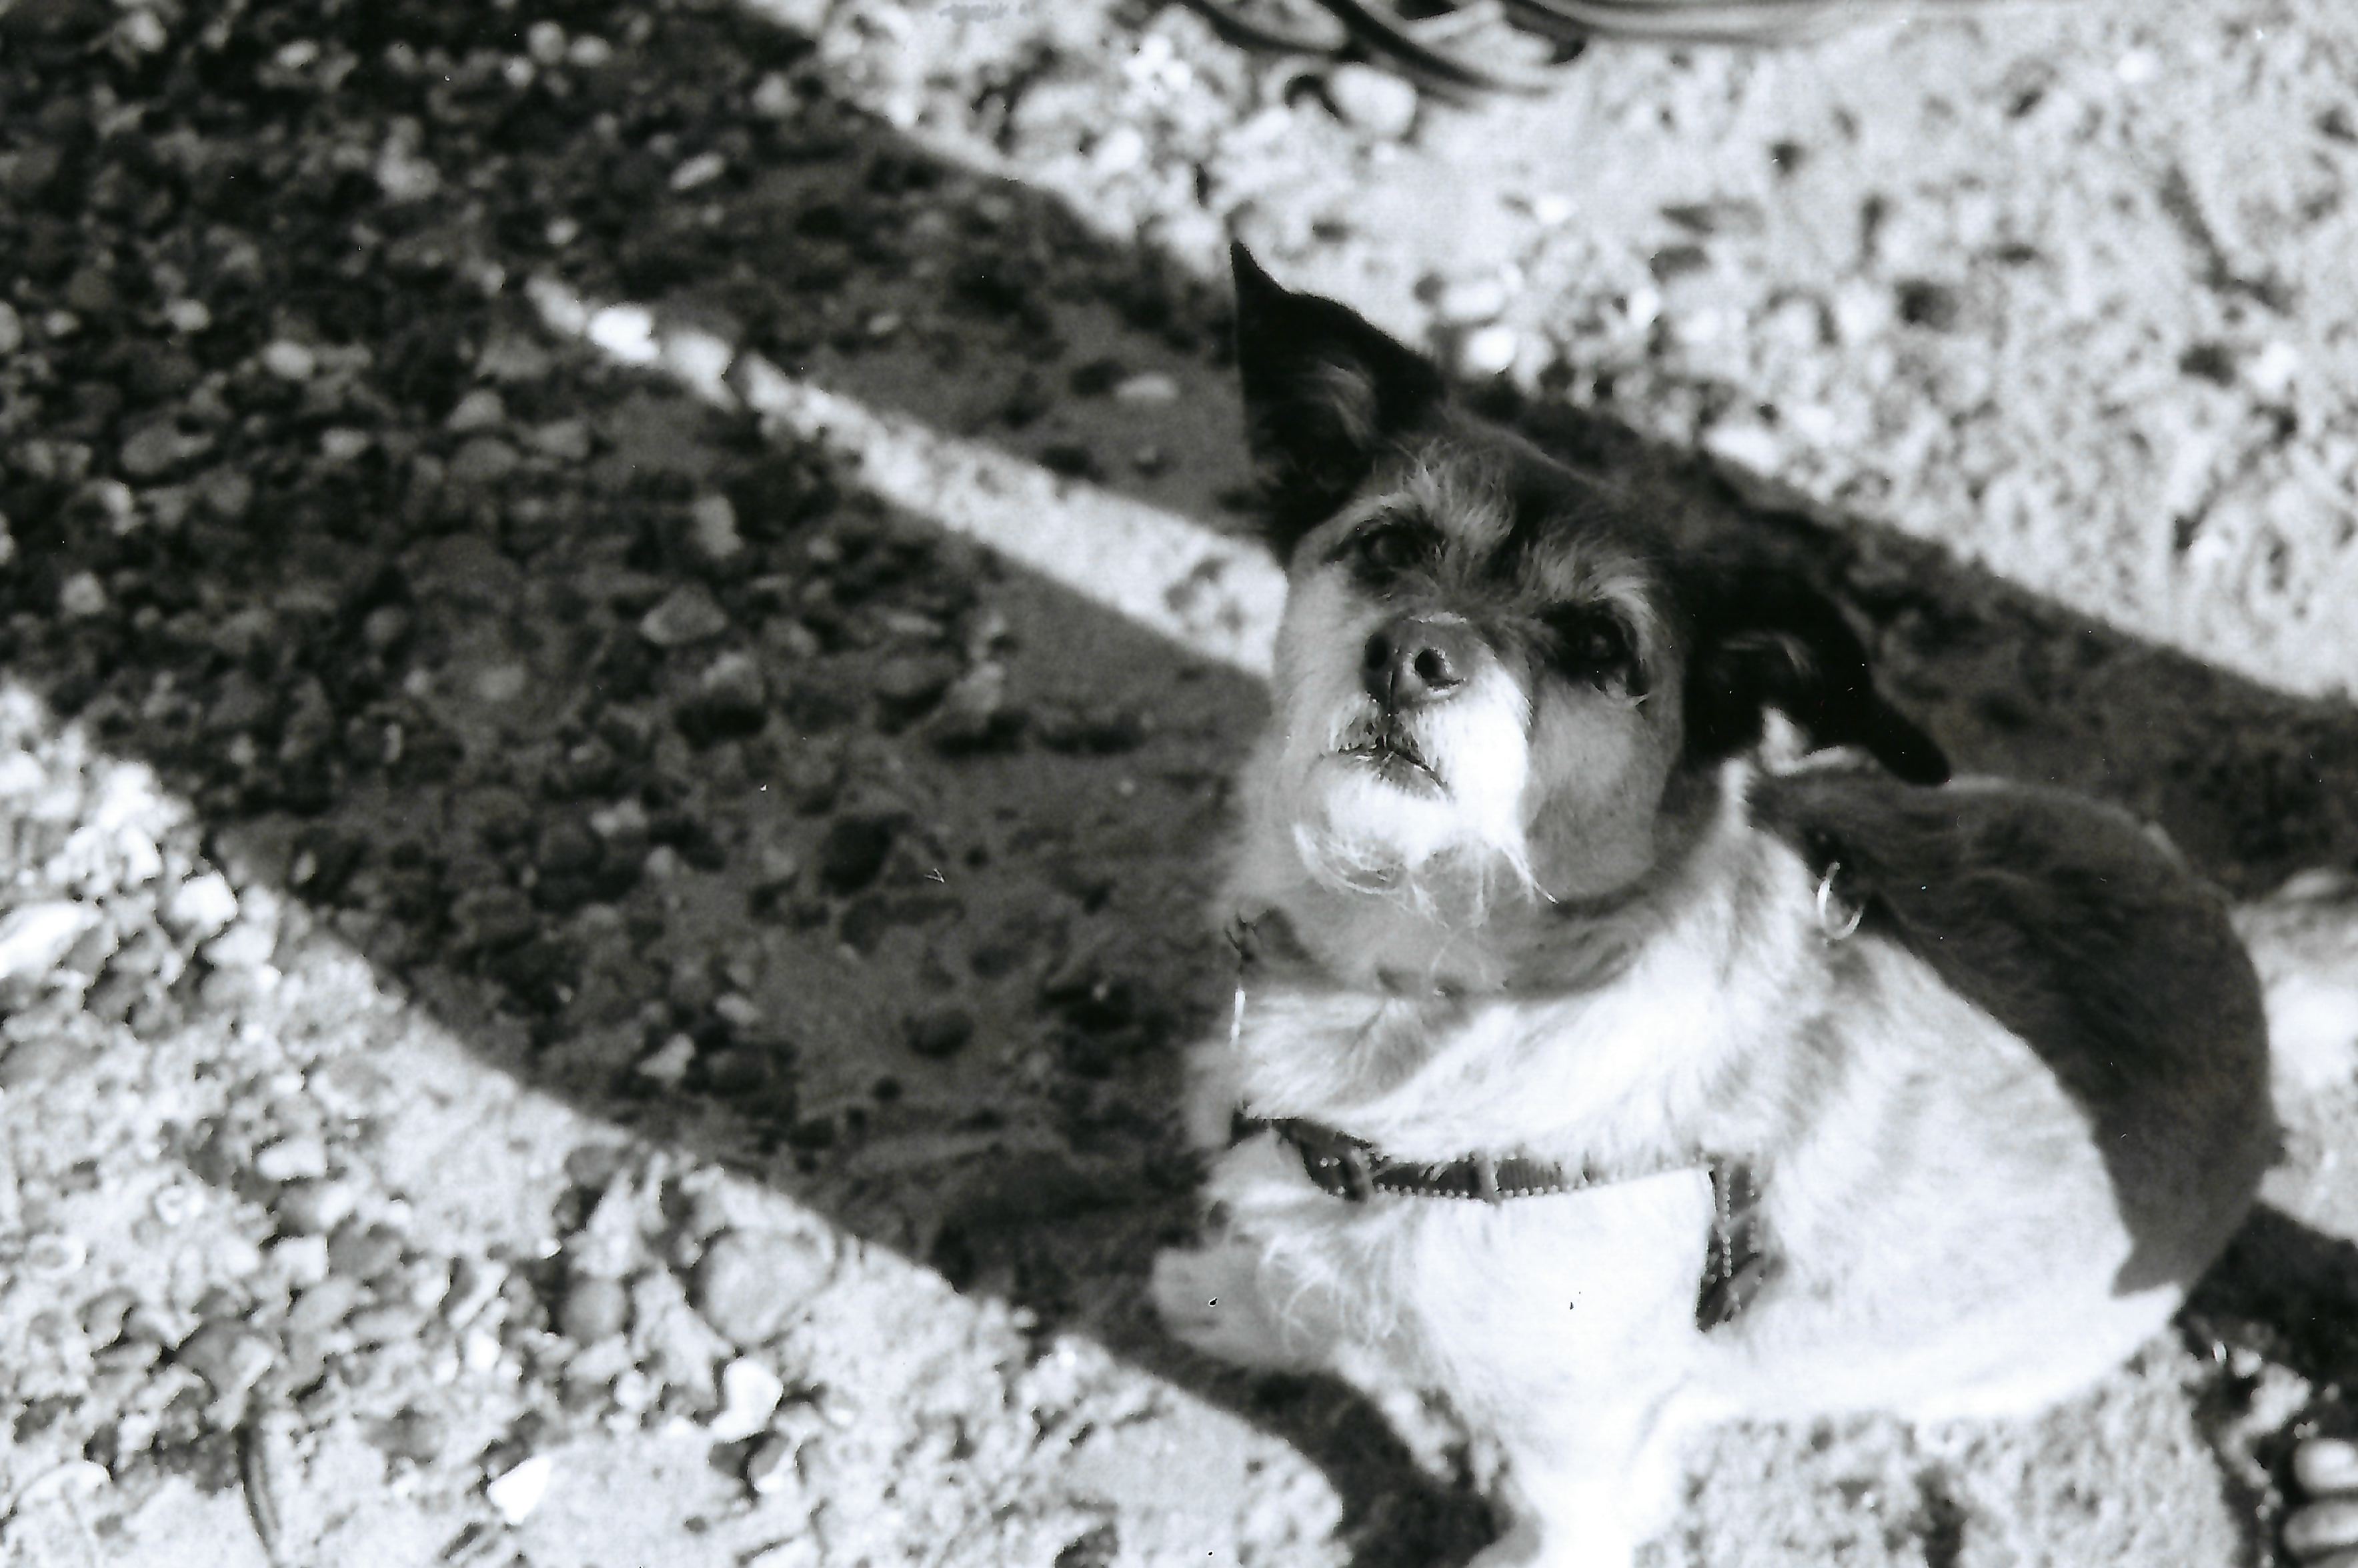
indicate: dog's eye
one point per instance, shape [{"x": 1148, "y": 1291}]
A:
[
  {"x": 1385, "y": 548},
  {"x": 1594, "y": 645}
]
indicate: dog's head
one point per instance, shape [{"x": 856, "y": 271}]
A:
[{"x": 1493, "y": 671}]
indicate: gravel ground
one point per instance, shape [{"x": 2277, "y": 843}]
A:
[{"x": 599, "y": 909}]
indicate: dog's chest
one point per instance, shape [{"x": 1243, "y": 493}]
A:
[{"x": 1611, "y": 1075}]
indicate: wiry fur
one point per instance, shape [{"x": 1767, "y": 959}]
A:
[{"x": 1999, "y": 1130}]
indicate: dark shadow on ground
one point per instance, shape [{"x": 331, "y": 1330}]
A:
[{"x": 406, "y": 670}]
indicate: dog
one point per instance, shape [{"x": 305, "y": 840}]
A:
[{"x": 1598, "y": 1077}]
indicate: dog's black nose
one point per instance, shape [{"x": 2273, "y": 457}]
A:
[{"x": 1417, "y": 660}]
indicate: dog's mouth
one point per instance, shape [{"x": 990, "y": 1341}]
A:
[{"x": 1385, "y": 746}]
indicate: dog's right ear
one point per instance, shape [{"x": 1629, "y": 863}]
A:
[
  {"x": 1325, "y": 394},
  {"x": 1767, "y": 637}
]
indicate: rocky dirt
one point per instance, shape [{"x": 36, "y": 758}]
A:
[{"x": 624, "y": 625}]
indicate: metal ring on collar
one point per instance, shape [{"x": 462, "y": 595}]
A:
[{"x": 1831, "y": 928}]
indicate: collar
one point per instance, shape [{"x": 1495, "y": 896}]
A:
[{"x": 1736, "y": 1264}]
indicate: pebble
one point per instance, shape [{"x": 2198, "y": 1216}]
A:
[
  {"x": 82, "y": 596},
  {"x": 233, "y": 1256},
  {"x": 1146, "y": 389},
  {"x": 594, "y": 1308},
  {"x": 55, "y": 1255},
  {"x": 34, "y": 937},
  {"x": 90, "y": 292},
  {"x": 481, "y": 409},
  {"x": 111, "y": 499},
  {"x": 176, "y": 1203},
  {"x": 732, "y": 698},
  {"x": 387, "y": 1323},
  {"x": 1930, "y": 304},
  {"x": 853, "y": 852},
  {"x": 426, "y": 1283},
  {"x": 301, "y": 1260},
  {"x": 750, "y": 1393},
  {"x": 40, "y": 1060},
  {"x": 1489, "y": 351},
  {"x": 980, "y": 696},
  {"x": 247, "y": 945},
  {"x": 363, "y": 1252},
  {"x": 1860, "y": 311},
  {"x": 739, "y": 1011},
  {"x": 773, "y": 97},
  {"x": 633, "y": 1390},
  {"x": 226, "y": 1354},
  {"x": 311, "y": 1209},
  {"x": 292, "y": 1159},
  {"x": 2326, "y": 1464},
  {"x": 669, "y": 1062},
  {"x": 11, "y": 329},
  {"x": 404, "y": 176},
  {"x": 685, "y": 615},
  {"x": 201, "y": 907},
  {"x": 911, "y": 683},
  {"x": 770, "y": 1467},
  {"x": 1119, "y": 151},
  {"x": 1371, "y": 101},
  {"x": 415, "y": 1435},
  {"x": 625, "y": 331},
  {"x": 2271, "y": 370},
  {"x": 82, "y": 1477},
  {"x": 1471, "y": 301},
  {"x": 712, "y": 528},
  {"x": 226, "y": 492},
  {"x": 101, "y": 1316},
  {"x": 485, "y": 460},
  {"x": 748, "y": 1284},
  {"x": 567, "y": 441},
  {"x": 290, "y": 361},
  {"x": 701, "y": 169},
  {"x": 479, "y": 1350},
  {"x": 520, "y": 1491},
  {"x": 939, "y": 1033},
  {"x": 473, "y": 1283},
  {"x": 501, "y": 683}
]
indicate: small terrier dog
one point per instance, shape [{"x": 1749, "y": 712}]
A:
[{"x": 1597, "y": 1077}]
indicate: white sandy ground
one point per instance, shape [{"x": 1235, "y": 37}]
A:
[
  {"x": 2048, "y": 434},
  {"x": 1055, "y": 1441}
]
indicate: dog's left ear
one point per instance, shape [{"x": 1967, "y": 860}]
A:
[
  {"x": 1325, "y": 394},
  {"x": 1765, "y": 637}
]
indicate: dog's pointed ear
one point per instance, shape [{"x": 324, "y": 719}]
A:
[
  {"x": 1765, "y": 637},
  {"x": 1325, "y": 394}
]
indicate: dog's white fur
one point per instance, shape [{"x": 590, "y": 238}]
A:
[
  {"x": 1942, "y": 1210},
  {"x": 1607, "y": 959}
]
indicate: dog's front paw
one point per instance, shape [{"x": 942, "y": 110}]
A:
[{"x": 1209, "y": 1298}]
